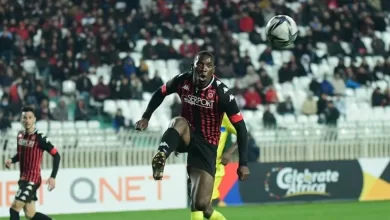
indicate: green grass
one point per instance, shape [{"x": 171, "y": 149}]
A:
[{"x": 312, "y": 211}]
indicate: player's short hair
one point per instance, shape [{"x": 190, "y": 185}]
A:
[
  {"x": 206, "y": 53},
  {"x": 28, "y": 109}
]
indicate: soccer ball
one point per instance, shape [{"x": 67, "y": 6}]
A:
[{"x": 281, "y": 31}]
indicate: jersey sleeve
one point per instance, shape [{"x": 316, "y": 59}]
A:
[
  {"x": 46, "y": 145},
  {"x": 228, "y": 125},
  {"x": 170, "y": 87},
  {"x": 229, "y": 105}
]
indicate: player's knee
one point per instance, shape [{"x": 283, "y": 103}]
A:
[
  {"x": 29, "y": 215},
  {"x": 180, "y": 124},
  {"x": 201, "y": 204},
  {"x": 17, "y": 205},
  {"x": 29, "y": 212}
]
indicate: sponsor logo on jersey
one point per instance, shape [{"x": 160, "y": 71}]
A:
[
  {"x": 26, "y": 143},
  {"x": 195, "y": 100},
  {"x": 211, "y": 94}
]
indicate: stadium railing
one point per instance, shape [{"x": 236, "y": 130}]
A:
[{"x": 104, "y": 148}]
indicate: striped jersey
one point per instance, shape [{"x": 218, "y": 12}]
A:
[
  {"x": 204, "y": 108},
  {"x": 30, "y": 152}
]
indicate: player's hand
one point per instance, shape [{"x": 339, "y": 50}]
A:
[
  {"x": 51, "y": 183},
  {"x": 8, "y": 163},
  {"x": 243, "y": 173},
  {"x": 226, "y": 158},
  {"x": 141, "y": 124}
]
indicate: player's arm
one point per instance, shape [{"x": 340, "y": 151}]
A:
[
  {"x": 46, "y": 145},
  {"x": 15, "y": 158},
  {"x": 230, "y": 106},
  {"x": 159, "y": 96}
]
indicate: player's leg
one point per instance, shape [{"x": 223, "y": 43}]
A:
[
  {"x": 201, "y": 192},
  {"x": 19, "y": 201},
  {"x": 177, "y": 133},
  {"x": 29, "y": 209},
  {"x": 215, "y": 199},
  {"x": 15, "y": 209}
]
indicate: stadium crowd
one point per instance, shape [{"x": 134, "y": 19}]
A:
[{"x": 70, "y": 39}]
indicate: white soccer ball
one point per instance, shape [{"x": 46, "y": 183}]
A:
[{"x": 281, "y": 31}]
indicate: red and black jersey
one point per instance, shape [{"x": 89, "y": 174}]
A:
[
  {"x": 30, "y": 152},
  {"x": 204, "y": 108}
]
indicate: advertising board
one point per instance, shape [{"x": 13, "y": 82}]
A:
[
  {"x": 363, "y": 180},
  {"x": 103, "y": 190}
]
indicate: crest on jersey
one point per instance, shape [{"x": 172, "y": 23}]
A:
[
  {"x": 185, "y": 87},
  {"x": 211, "y": 94}
]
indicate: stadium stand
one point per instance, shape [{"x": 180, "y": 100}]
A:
[{"x": 87, "y": 66}]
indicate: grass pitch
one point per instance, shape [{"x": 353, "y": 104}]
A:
[{"x": 308, "y": 211}]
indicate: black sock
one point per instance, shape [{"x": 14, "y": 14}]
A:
[
  {"x": 40, "y": 216},
  {"x": 169, "y": 141},
  {"x": 14, "y": 215}
]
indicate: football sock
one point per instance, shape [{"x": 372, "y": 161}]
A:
[
  {"x": 40, "y": 216},
  {"x": 197, "y": 215},
  {"x": 169, "y": 141},
  {"x": 14, "y": 215},
  {"x": 217, "y": 216}
]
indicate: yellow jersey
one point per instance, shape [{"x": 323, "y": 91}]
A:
[{"x": 226, "y": 129}]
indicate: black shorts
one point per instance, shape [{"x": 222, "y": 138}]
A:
[
  {"x": 201, "y": 154},
  {"x": 27, "y": 191}
]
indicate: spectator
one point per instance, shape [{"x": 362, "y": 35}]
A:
[
  {"x": 5, "y": 122},
  {"x": 100, "y": 91},
  {"x": 334, "y": 47},
  {"x": 119, "y": 120},
  {"x": 271, "y": 96},
  {"x": 309, "y": 106},
  {"x": 286, "y": 107},
  {"x": 60, "y": 113},
  {"x": 136, "y": 88},
  {"x": 118, "y": 70},
  {"x": 188, "y": 49},
  {"x": 84, "y": 86},
  {"x": 225, "y": 70},
  {"x": 322, "y": 103},
  {"x": 247, "y": 23},
  {"x": 269, "y": 120},
  {"x": 124, "y": 90},
  {"x": 148, "y": 51},
  {"x": 252, "y": 99},
  {"x": 129, "y": 67},
  {"x": 250, "y": 78},
  {"x": 338, "y": 84},
  {"x": 142, "y": 68},
  {"x": 377, "y": 98},
  {"x": 266, "y": 56},
  {"x": 285, "y": 74},
  {"x": 327, "y": 87},
  {"x": 378, "y": 46},
  {"x": 81, "y": 112},
  {"x": 265, "y": 79},
  {"x": 151, "y": 85},
  {"x": 332, "y": 114},
  {"x": 43, "y": 112}
]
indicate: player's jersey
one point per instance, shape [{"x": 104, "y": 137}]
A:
[
  {"x": 204, "y": 108},
  {"x": 226, "y": 129},
  {"x": 30, "y": 152}
]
